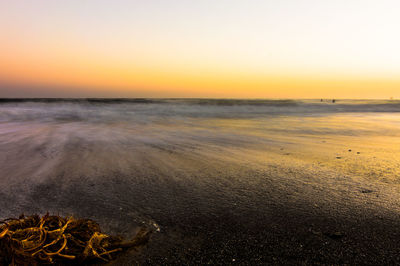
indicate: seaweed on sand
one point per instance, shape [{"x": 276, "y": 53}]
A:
[{"x": 56, "y": 240}]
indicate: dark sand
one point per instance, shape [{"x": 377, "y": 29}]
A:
[
  {"x": 222, "y": 212},
  {"x": 215, "y": 191}
]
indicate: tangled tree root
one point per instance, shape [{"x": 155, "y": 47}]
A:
[{"x": 55, "y": 240}]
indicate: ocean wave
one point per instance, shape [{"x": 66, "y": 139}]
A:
[{"x": 147, "y": 110}]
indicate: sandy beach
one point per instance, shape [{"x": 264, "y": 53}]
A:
[{"x": 291, "y": 182}]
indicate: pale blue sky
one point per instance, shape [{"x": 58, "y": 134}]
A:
[{"x": 305, "y": 37}]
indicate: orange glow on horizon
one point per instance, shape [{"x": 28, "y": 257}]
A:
[{"x": 99, "y": 79}]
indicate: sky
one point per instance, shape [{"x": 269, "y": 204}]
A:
[{"x": 206, "y": 48}]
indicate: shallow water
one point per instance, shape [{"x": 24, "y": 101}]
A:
[{"x": 166, "y": 163}]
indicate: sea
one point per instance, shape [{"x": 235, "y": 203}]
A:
[{"x": 196, "y": 170}]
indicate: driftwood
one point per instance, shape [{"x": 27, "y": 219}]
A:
[{"x": 56, "y": 240}]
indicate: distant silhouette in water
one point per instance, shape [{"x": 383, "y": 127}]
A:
[{"x": 333, "y": 101}]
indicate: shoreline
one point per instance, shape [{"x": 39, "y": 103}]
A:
[{"x": 223, "y": 188}]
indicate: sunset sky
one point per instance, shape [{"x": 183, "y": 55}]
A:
[{"x": 205, "y": 48}]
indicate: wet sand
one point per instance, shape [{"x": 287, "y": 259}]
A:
[{"x": 276, "y": 190}]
